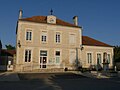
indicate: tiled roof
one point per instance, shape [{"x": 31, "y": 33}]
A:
[
  {"x": 92, "y": 42},
  {"x": 8, "y": 52},
  {"x": 43, "y": 19}
]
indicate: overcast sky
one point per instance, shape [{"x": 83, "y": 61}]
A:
[{"x": 100, "y": 19}]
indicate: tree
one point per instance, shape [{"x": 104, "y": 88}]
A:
[
  {"x": 0, "y": 44},
  {"x": 117, "y": 53},
  {"x": 10, "y": 47}
]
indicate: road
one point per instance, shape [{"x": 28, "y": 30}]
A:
[{"x": 59, "y": 81}]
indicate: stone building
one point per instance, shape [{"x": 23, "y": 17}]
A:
[{"x": 46, "y": 43}]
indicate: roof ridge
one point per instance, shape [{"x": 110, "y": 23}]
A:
[{"x": 42, "y": 19}]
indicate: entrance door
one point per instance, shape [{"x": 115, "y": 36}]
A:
[{"x": 43, "y": 59}]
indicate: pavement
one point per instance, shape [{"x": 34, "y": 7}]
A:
[
  {"x": 99, "y": 75},
  {"x": 9, "y": 76}
]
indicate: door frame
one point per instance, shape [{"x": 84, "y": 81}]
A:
[{"x": 41, "y": 62}]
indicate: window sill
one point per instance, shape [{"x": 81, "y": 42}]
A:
[
  {"x": 43, "y": 42},
  {"x": 58, "y": 43},
  {"x": 27, "y": 41}
]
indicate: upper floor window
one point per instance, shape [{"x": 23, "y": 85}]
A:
[
  {"x": 44, "y": 37},
  {"x": 89, "y": 57},
  {"x": 72, "y": 39},
  {"x": 27, "y": 55},
  {"x": 29, "y": 35},
  {"x": 57, "y": 37}
]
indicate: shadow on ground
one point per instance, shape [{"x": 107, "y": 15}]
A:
[{"x": 56, "y": 81}]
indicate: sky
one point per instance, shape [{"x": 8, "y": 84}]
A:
[{"x": 100, "y": 19}]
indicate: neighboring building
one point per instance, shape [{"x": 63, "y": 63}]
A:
[
  {"x": 48, "y": 43},
  {"x": 95, "y": 52},
  {"x": 0, "y": 49},
  {"x": 7, "y": 59}
]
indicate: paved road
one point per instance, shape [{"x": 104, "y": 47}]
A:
[{"x": 59, "y": 81}]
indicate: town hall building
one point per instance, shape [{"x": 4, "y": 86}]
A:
[{"x": 47, "y": 43}]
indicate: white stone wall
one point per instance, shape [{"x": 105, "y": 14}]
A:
[
  {"x": 36, "y": 45},
  {"x": 94, "y": 50}
]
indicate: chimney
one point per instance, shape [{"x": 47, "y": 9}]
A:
[
  {"x": 75, "y": 20},
  {"x": 20, "y": 13}
]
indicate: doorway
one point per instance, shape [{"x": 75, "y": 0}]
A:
[{"x": 43, "y": 59}]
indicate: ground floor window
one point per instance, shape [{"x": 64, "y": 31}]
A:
[
  {"x": 98, "y": 58},
  {"x": 57, "y": 55},
  {"x": 108, "y": 58},
  {"x": 27, "y": 55},
  {"x": 89, "y": 57}
]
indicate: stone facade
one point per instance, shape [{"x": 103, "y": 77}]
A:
[
  {"x": 36, "y": 45},
  {"x": 94, "y": 50},
  {"x": 46, "y": 43}
]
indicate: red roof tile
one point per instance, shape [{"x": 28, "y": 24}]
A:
[
  {"x": 92, "y": 42},
  {"x": 8, "y": 52},
  {"x": 43, "y": 19}
]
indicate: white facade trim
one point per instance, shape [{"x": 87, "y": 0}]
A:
[
  {"x": 87, "y": 57},
  {"x": 28, "y": 48},
  {"x": 31, "y": 30},
  {"x": 101, "y": 57},
  {"x": 57, "y": 49}
]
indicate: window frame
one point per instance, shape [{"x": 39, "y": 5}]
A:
[
  {"x": 29, "y": 55},
  {"x": 58, "y": 37},
  {"x": 57, "y": 56},
  {"x": 44, "y": 37},
  {"x": 28, "y": 35},
  {"x": 100, "y": 61},
  {"x": 109, "y": 61},
  {"x": 89, "y": 61},
  {"x": 73, "y": 41}
]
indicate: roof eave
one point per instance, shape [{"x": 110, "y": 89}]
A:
[{"x": 97, "y": 45}]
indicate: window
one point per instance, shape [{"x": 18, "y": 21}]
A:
[
  {"x": 57, "y": 37},
  {"x": 57, "y": 53},
  {"x": 27, "y": 55},
  {"x": 72, "y": 56},
  {"x": 98, "y": 58},
  {"x": 44, "y": 37},
  {"x": 43, "y": 53},
  {"x": 108, "y": 58},
  {"x": 29, "y": 35},
  {"x": 89, "y": 57},
  {"x": 72, "y": 39}
]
